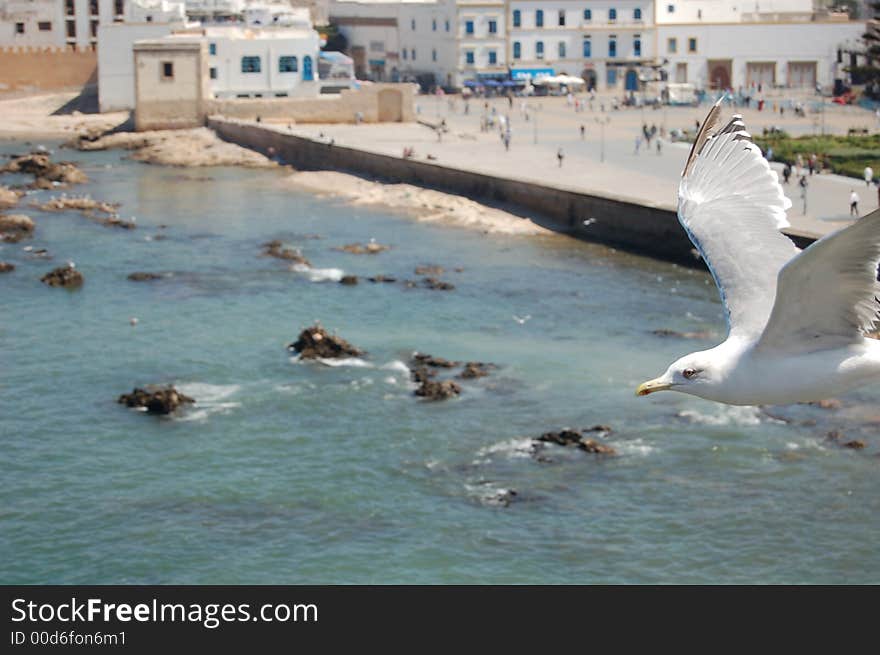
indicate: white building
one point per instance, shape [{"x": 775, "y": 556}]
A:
[
  {"x": 482, "y": 40},
  {"x": 57, "y": 23},
  {"x": 741, "y": 45},
  {"x": 610, "y": 43}
]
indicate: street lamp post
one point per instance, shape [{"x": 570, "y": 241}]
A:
[{"x": 602, "y": 123}]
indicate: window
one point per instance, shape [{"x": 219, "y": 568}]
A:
[
  {"x": 469, "y": 57},
  {"x": 561, "y": 49},
  {"x": 434, "y": 54},
  {"x": 412, "y": 24},
  {"x": 539, "y": 18},
  {"x": 404, "y": 53},
  {"x": 412, "y": 54},
  {"x": 93, "y": 28},
  {"x": 212, "y": 48},
  {"x": 671, "y": 46},
  {"x": 612, "y": 46},
  {"x": 212, "y": 72},
  {"x": 250, "y": 64},
  {"x": 611, "y": 76},
  {"x": 377, "y": 46},
  {"x": 692, "y": 45},
  {"x": 588, "y": 15},
  {"x": 44, "y": 27},
  {"x": 71, "y": 29},
  {"x": 670, "y": 9},
  {"x": 447, "y": 25},
  {"x": 517, "y": 18},
  {"x": 588, "y": 48},
  {"x": 93, "y": 7},
  {"x": 19, "y": 28},
  {"x": 118, "y": 7},
  {"x": 562, "y": 18},
  {"x": 517, "y": 50},
  {"x": 637, "y": 14},
  {"x": 493, "y": 27},
  {"x": 167, "y": 70},
  {"x": 637, "y": 46},
  {"x": 287, "y": 64},
  {"x": 433, "y": 24},
  {"x": 469, "y": 27},
  {"x": 612, "y": 15},
  {"x": 68, "y": 6},
  {"x": 493, "y": 57},
  {"x": 539, "y": 50}
]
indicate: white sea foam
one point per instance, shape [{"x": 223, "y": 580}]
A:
[
  {"x": 634, "y": 447},
  {"x": 208, "y": 399},
  {"x": 727, "y": 415},
  {"x": 396, "y": 366},
  {"x": 355, "y": 362},
  {"x": 318, "y": 274},
  {"x": 512, "y": 448}
]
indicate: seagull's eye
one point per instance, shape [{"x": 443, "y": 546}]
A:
[{"x": 689, "y": 373}]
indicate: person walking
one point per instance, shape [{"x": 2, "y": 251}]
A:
[
  {"x": 869, "y": 175},
  {"x": 786, "y": 173},
  {"x": 583, "y": 131},
  {"x": 853, "y": 203},
  {"x": 638, "y": 143},
  {"x": 560, "y": 156},
  {"x": 659, "y": 148}
]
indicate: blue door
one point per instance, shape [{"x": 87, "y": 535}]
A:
[
  {"x": 307, "y": 69},
  {"x": 632, "y": 81}
]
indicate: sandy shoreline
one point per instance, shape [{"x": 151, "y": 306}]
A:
[{"x": 33, "y": 117}]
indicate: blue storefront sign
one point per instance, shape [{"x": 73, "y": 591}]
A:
[{"x": 530, "y": 73}]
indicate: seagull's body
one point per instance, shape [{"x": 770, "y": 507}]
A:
[{"x": 797, "y": 319}]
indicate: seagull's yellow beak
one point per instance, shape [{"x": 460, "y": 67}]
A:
[{"x": 651, "y": 386}]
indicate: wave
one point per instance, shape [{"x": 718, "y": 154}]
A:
[
  {"x": 318, "y": 274},
  {"x": 208, "y": 399}
]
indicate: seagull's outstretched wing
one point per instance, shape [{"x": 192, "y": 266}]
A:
[
  {"x": 827, "y": 295},
  {"x": 732, "y": 207}
]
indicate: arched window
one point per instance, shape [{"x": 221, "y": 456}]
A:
[
  {"x": 637, "y": 14},
  {"x": 562, "y": 49},
  {"x": 539, "y": 50},
  {"x": 517, "y": 50},
  {"x": 588, "y": 48},
  {"x": 612, "y": 15},
  {"x": 517, "y": 17},
  {"x": 539, "y": 18}
]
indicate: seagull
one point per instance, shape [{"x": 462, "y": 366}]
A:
[
  {"x": 796, "y": 319},
  {"x": 522, "y": 320}
]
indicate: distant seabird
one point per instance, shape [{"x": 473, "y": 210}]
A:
[{"x": 796, "y": 319}]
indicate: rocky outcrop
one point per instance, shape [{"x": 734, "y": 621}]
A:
[
  {"x": 156, "y": 400},
  {"x": 140, "y": 276},
  {"x": 837, "y": 437},
  {"x": 6, "y": 267},
  {"x": 437, "y": 389},
  {"x": 382, "y": 278},
  {"x": 8, "y": 197},
  {"x": 47, "y": 173},
  {"x": 276, "y": 249},
  {"x": 430, "y": 269},
  {"x": 15, "y": 227},
  {"x": 424, "y": 359},
  {"x": 316, "y": 343},
  {"x": 371, "y": 248},
  {"x": 83, "y": 204},
  {"x": 349, "y": 280},
  {"x": 474, "y": 370},
  {"x": 430, "y": 283},
  {"x": 573, "y": 438},
  {"x": 64, "y": 276}
]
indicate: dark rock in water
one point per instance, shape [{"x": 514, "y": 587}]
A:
[
  {"x": 437, "y": 285},
  {"x": 315, "y": 342},
  {"x": 15, "y": 227},
  {"x": 855, "y": 444},
  {"x": 438, "y": 389},
  {"x": 663, "y": 332},
  {"x": 422, "y": 374},
  {"x": 6, "y": 267},
  {"x": 423, "y": 359},
  {"x": 600, "y": 428},
  {"x": 64, "y": 276},
  {"x": 277, "y": 250},
  {"x": 828, "y": 403},
  {"x": 140, "y": 276},
  {"x": 568, "y": 437},
  {"x": 382, "y": 278},
  {"x": 44, "y": 170},
  {"x": 162, "y": 400},
  {"x": 837, "y": 437},
  {"x": 430, "y": 270},
  {"x": 350, "y": 280},
  {"x": 475, "y": 370},
  {"x": 371, "y": 248}
]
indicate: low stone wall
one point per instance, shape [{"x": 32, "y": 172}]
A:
[
  {"x": 378, "y": 102},
  {"x": 37, "y": 69},
  {"x": 640, "y": 228}
]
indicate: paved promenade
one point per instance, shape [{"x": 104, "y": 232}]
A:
[{"x": 605, "y": 160}]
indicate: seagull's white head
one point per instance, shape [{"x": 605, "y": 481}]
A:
[{"x": 697, "y": 374}]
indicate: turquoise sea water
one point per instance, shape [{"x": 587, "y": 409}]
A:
[{"x": 299, "y": 473}]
